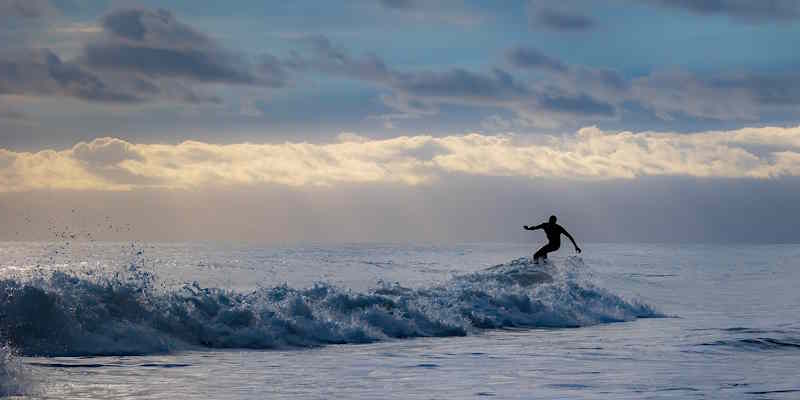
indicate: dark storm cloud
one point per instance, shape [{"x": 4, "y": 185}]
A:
[
  {"x": 561, "y": 21},
  {"x": 461, "y": 83},
  {"x": 159, "y": 62},
  {"x": 328, "y": 58},
  {"x": 599, "y": 91},
  {"x": 141, "y": 55},
  {"x": 531, "y": 58},
  {"x": 151, "y": 55},
  {"x": 44, "y": 73},
  {"x": 562, "y": 98},
  {"x": 601, "y": 77},
  {"x": 24, "y": 8},
  {"x": 581, "y": 104},
  {"x": 126, "y": 23},
  {"x": 568, "y": 15},
  {"x": 522, "y": 57},
  {"x": 757, "y": 11},
  {"x": 500, "y": 89},
  {"x": 743, "y": 96},
  {"x": 778, "y": 89},
  {"x": 156, "y": 44},
  {"x": 497, "y": 88},
  {"x": 271, "y": 71},
  {"x": 158, "y": 27},
  {"x": 397, "y": 4}
]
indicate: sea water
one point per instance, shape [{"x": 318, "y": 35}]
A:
[{"x": 234, "y": 321}]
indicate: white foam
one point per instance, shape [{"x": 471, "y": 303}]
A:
[{"x": 123, "y": 313}]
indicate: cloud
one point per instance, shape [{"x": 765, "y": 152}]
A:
[
  {"x": 139, "y": 56},
  {"x": 22, "y": 21},
  {"x": 25, "y": 8},
  {"x": 419, "y": 93},
  {"x": 667, "y": 92},
  {"x": 461, "y": 83},
  {"x": 590, "y": 154},
  {"x": 156, "y": 44},
  {"x": 397, "y": 4},
  {"x": 41, "y": 72},
  {"x": 450, "y": 12},
  {"x": 723, "y": 96},
  {"x": 560, "y": 94},
  {"x": 580, "y": 104},
  {"x": 561, "y": 21},
  {"x": 155, "y": 62},
  {"x": 105, "y": 152},
  {"x": 572, "y": 15},
  {"x": 753, "y": 11},
  {"x": 525, "y": 57},
  {"x": 562, "y": 16},
  {"x": 328, "y": 58},
  {"x": 159, "y": 26},
  {"x": 406, "y": 107},
  {"x": 578, "y": 76}
]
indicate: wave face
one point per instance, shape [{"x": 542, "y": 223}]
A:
[{"x": 126, "y": 314}]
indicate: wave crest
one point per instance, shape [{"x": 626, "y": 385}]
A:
[{"x": 124, "y": 314}]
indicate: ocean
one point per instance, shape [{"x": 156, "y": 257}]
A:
[{"x": 93, "y": 320}]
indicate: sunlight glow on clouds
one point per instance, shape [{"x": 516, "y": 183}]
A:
[{"x": 590, "y": 154}]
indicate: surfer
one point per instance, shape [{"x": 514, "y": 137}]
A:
[{"x": 553, "y": 232}]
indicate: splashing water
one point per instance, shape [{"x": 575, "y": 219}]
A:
[
  {"x": 14, "y": 376},
  {"x": 126, "y": 313}
]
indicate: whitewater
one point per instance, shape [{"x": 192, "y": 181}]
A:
[{"x": 236, "y": 321}]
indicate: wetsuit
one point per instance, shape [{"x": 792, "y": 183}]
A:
[{"x": 553, "y": 232}]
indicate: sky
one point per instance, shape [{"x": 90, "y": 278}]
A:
[{"x": 399, "y": 120}]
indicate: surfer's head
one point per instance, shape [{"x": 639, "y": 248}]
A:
[{"x": 553, "y": 219}]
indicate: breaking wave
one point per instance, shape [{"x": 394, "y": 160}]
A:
[{"x": 64, "y": 314}]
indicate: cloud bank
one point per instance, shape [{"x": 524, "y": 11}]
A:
[
  {"x": 134, "y": 56},
  {"x": 157, "y": 45},
  {"x": 755, "y": 11},
  {"x": 590, "y": 154}
]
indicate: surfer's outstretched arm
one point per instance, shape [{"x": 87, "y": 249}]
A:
[
  {"x": 532, "y": 228},
  {"x": 564, "y": 231}
]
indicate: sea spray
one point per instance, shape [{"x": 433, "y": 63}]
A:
[
  {"x": 127, "y": 313},
  {"x": 15, "y": 377}
]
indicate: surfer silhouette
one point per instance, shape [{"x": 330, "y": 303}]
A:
[{"x": 553, "y": 232}]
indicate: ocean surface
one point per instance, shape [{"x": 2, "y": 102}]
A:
[{"x": 90, "y": 320}]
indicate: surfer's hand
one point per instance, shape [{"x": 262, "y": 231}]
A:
[
  {"x": 578, "y": 249},
  {"x": 525, "y": 227}
]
